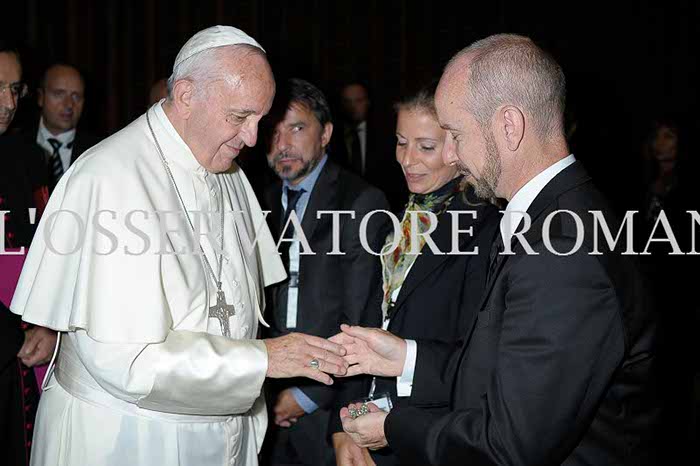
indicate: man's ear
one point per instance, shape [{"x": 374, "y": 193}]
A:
[
  {"x": 326, "y": 135},
  {"x": 183, "y": 95},
  {"x": 40, "y": 97},
  {"x": 512, "y": 126}
]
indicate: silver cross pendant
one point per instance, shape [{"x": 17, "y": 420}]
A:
[{"x": 222, "y": 311}]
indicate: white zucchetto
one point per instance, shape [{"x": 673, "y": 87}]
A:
[{"x": 215, "y": 36}]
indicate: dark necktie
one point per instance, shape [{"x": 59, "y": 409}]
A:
[
  {"x": 293, "y": 196},
  {"x": 55, "y": 164},
  {"x": 494, "y": 256},
  {"x": 355, "y": 152}
]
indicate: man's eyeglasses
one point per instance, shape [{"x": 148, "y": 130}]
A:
[{"x": 16, "y": 90}]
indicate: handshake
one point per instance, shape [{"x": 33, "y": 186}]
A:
[{"x": 353, "y": 351}]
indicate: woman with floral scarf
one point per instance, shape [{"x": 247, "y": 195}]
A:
[{"x": 431, "y": 288}]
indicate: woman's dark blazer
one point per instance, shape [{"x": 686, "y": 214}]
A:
[{"x": 439, "y": 297}]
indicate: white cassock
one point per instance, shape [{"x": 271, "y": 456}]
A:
[{"x": 143, "y": 376}]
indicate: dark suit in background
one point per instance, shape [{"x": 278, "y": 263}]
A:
[
  {"x": 438, "y": 302},
  {"x": 380, "y": 166},
  {"x": 556, "y": 369},
  {"x": 83, "y": 141},
  {"x": 333, "y": 289},
  {"x": 22, "y": 186}
]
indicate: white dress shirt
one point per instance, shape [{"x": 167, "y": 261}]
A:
[
  {"x": 518, "y": 205},
  {"x": 43, "y": 136}
]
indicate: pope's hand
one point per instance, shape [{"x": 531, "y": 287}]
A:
[
  {"x": 349, "y": 454},
  {"x": 372, "y": 351},
  {"x": 292, "y": 355},
  {"x": 287, "y": 410},
  {"x": 367, "y": 431},
  {"x": 39, "y": 343}
]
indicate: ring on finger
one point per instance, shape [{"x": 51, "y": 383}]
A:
[
  {"x": 355, "y": 413},
  {"x": 314, "y": 363}
]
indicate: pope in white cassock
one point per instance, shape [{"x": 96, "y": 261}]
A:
[{"x": 151, "y": 257}]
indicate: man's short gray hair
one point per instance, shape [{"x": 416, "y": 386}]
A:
[
  {"x": 507, "y": 69},
  {"x": 203, "y": 67}
]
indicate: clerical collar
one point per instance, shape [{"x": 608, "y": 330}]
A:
[
  {"x": 174, "y": 147},
  {"x": 66, "y": 138}
]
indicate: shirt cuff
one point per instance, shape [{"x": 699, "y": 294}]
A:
[
  {"x": 304, "y": 401},
  {"x": 404, "y": 382}
]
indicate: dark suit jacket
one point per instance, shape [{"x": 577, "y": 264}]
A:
[
  {"x": 381, "y": 168},
  {"x": 82, "y": 142},
  {"x": 557, "y": 367},
  {"x": 23, "y": 185},
  {"x": 333, "y": 289},
  {"x": 438, "y": 300}
]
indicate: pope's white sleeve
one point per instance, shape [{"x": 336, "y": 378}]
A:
[{"x": 188, "y": 373}]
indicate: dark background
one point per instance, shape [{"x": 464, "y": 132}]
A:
[
  {"x": 625, "y": 61},
  {"x": 620, "y": 56}
]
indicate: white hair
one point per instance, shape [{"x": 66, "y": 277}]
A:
[{"x": 204, "y": 67}]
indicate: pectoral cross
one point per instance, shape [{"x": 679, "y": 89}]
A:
[{"x": 222, "y": 311}]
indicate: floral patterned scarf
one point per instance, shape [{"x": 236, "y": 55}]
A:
[{"x": 396, "y": 264}]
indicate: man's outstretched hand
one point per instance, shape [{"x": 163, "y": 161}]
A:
[
  {"x": 371, "y": 351},
  {"x": 291, "y": 356}
]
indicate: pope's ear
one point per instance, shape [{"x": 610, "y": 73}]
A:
[{"x": 183, "y": 93}]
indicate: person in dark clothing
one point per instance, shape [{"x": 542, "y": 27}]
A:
[
  {"x": 325, "y": 289},
  {"x": 559, "y": 365},
  {"x": 360, "y": 145},
  {"x": 429, "y": 295},
  {"x": 667, "y": 192},
  {"x": 21, "y": 188}
]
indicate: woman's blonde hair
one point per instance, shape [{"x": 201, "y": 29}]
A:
[{"x": 422, "y": 100}]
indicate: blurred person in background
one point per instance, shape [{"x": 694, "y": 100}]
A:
[
  {"x": 61, "y": 97},
  {"x": 360, "y": 146},
  {"x": 667, "y": 174},
  {"x": 21, "y": 188}
]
